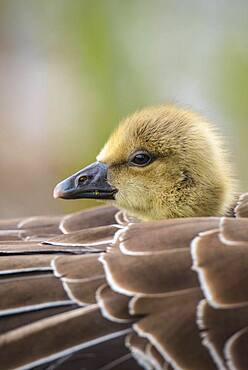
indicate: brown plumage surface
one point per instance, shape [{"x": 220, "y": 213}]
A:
[{"x": 171, "y": 294}]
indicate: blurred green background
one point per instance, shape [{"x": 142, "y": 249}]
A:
[{"x": 69, "y": 70}]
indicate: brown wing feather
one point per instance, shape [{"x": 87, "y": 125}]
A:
[
  {"x": 56, "y": 336},
  {"x": 95, "y": 217},
  {"x": 218, "y": 326},
  {"x": 151, "y": 287},
  {"x": 174, "y": 333},
  {"x": 241, "y": 209},
  {"x": 222, "y": 270},
  {"x": 236, "y": 350}
]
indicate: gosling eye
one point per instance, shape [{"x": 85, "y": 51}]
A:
[{"x": 140, "y": 159}]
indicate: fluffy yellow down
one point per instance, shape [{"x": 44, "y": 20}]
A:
[{"x": 190, "y": 175}]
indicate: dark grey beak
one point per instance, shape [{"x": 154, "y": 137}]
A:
[{"x": 91, "y": 182}]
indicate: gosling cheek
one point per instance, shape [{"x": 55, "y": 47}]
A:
[
  {"x": 134, "y": 198},
  {"x": 119, "y": 181},
  {"x": 113, "y": 178}
]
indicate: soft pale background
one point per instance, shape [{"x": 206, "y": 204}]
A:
[{"x": 69, "y": 70}]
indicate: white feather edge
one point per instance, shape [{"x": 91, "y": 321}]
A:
[
  {"x": 118, "y": 219},
  {"x": 64, "y": 231},
  {"x": 35, "y": 307},
  {"x": 202, "y": 275},
  {"x": 205, "y": 337},
  {"x": 119, "y": 233},
  {"x": 137, "y": 296},
  {"x": 28, "y": 269},
  {"x": 116, "y": 287},
  {"x": 226, "y": 241},
  {"x": 72, "y": 280},
  {"x": 138, "y": 355},
  {"x": 153, "y": 360},
  {"x": 228, "y": 347},
  {"x": 91, "y": 244},
  {"x": 61, "y": 224},
  {"x": 71, "y": 296},
  {"x": 110, "y": 280},
  {"x": 241, "y": 198},
  {"x": 128, "y": 252},
  {"x": 103, "y": 309},
  {"x": 158, "y": 346}
]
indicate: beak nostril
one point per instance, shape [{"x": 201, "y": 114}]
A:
[
  {"x": 82, "y": 179},
  {"x": 88, "y": 183}
]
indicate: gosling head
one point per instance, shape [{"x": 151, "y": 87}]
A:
[{"x": 161, "y": 162}]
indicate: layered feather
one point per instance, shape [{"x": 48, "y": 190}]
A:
[{"x": 74, "y": 289}]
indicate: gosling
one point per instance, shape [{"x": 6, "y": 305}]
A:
[{"x": 161, "y": 162}]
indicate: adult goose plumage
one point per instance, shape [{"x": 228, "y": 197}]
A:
[{"x": 100, "y": 288}]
